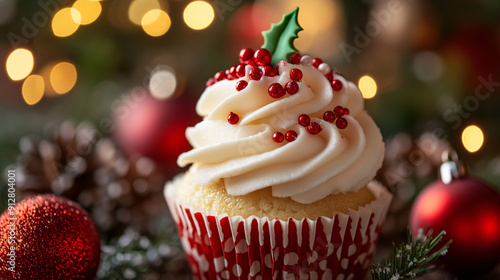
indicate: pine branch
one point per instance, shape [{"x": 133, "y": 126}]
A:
[{"x": 411, "y": 259}]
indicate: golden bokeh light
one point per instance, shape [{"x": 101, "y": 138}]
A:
[
  {"x": 66, "y": 22},
  {"x": 33, "y": 88},
  {"x": 367, "y": 86},
  {"x": 63, "y": 77},
  {"x": 198, "y": 15},
  {"x": 139, "y": 8},
  {"x": 472, "y": 138},
  {"x": 89, "y": 11},
  {"x": 19, "y": 64},
  {"x": 156, "y": 23}
]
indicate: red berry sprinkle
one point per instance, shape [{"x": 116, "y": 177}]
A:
[
  {"x": 329, "y": 116},
  {"x": 276, "y": 90},
  {"x": 304, "y": 120},
  {"x": 314, "y": 128},
  {"x": 329, "y": 76},
  {"x": 295, "y": 58},
  {"x": 339, "y": 111},
  {"x": 240, "y": 85},
  {"x": 219, "y": 76},
  {"x": 295, "y": 74},
  {"x": 233, "y": 118},
  {"x": 255, "y": 73},
  {"x": 317, "y": 62},
  {"x": 262, "y": 57},
  {"x": 292, "y": 87},
  {"x": 246, "y": 55},
  {"x": 336, "y": 85},
  {"x": 341, "y": 123},
  {"x": 240, "y": 70},
  {"x": 346, "y": 111},
  {"x": 269, "y": 71},
  {"x": 290, "y": 135},
  {"x": 278, "y": 137},
  {"x": 210, "y": 82}
]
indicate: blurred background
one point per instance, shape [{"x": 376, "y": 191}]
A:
[{"x": 95, "y": 97}]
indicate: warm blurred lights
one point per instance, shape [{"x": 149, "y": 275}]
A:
[
  {"x": 156, "y": 23},
  {"x": 472, "y": 138},
  {"x": 89, "y": 11},
  {"x": 19, "y": 64},
  {"x": 198, "y": 15},
  {"x": 66, "y": 22},
  {"x": 367, "y": 86},
  {"x": 63, "y": 77},
  {"x": 139, "y": 8},
  {"x": 163, "y": 84},
  {"x": 33, "y": 88}
]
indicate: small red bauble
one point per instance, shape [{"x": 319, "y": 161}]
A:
[
  {"x": 304, "y": 120},
  {"x": 295, "y": 58},
  {"x": 314, "y": 128},
  {"x": 317, "y": 62},
  {"x": 295, "y": 74},
  {"x": 54, "y": 238},
  {"x": 232, "y": 72},
  {"x": 329, "y": 116},
  {"x": 255, "y": 73},
  {"x": 219, "y": 76},
  {"x": 210, "y": 82},
  {"x": 246, "y": 55},
  {"x": 291, "y": 135},
  {"x": 336, "y": 85},
  {"x": 276, "y": 90},
  {"x": 346, "y": 111},
  {"x": 240, "y": 85},
  {"x": 240, "y": 70},
  {"x": 233, "y": 118},
  {"x": 269, "y": 71},
  {"x": 292, "y": 87},
  {"x": 329, "y": 76},
  {"x": 262, "y": 57},
  {"x": 339, "y": 111},
  {"x": 278, "y": 137},
  {"x": 341, "y": 123}
]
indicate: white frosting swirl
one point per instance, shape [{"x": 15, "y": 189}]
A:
[{"x": 308, "y": 169}]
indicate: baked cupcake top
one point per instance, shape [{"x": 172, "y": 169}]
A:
[{"x": 295, "y": 126}]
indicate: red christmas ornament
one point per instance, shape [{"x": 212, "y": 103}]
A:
[
  {"x": 48, "y": 237},
  {"x": 468, "y": 209}
]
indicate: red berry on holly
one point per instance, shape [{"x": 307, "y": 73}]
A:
[
  {"x": 295, "y": 58},
  {"x": 292, "y": 87},
  {"x": 290, "y": 135},
  {"x": 210, "y": 82},
  {"x": 255, "y": 73},
  {"x": 278, "y": 137},
  {"x": 329, "y": 116},
  {"x": 336, "y": 85},
  {"x": 314, "y": 128},
  {"x": 240, "y": 70},
  {"x": 341, "y": 123},
  {"x": 295, "y": 74},
  {"x": 262, "y": 57},
  {"x": 317, "y": 62},
  {"x": 240, "y": 85},
  {"x": 304, "y": 120},
  {"x": 219, "y": 76},
  {"x": 233, "y": 118},
  {"x": 246, "y": 55},
  {"x": 269, "y": 71},
  {"x": 276, "y": 90},
  {"x": 339, "y": 111}
]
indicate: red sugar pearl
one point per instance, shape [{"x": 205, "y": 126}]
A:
[
  {"x": 304, "y": 120},
  {"x": 210, "y": 82},
  {"x": 292, "y": 87},
  {"x": 329, "y": 76},
  {"x": 295, "y": 58},
  {"x": 233, "y": 118},
  {"x": 295, "y": 74},
  {"x": 336, "y": 85},
  {"x": 341, "y": 123},
  {"x": 262, "y": 57},
  {"x": 276, "y": 90},
  {"x": 228, "y": 75},
  {"x": 339, "y": 111},
  {"x": 346, "y": 111},
  {"x": 269, "y": 71},
  {"x": 240, "y": 85},
  {"x": 232, "y": 71},
  {"x": 240, "y": 70},
  {"x": 278, "y": 137},
  {"x": 219, "y": 76},
  {"x": 314, "y": 128},
  {"x": 329, "y": 116},
  {"x": 290, "y": 135},
  {"x": 255, "y": 73},
  {"x": 246, "y": 55},
  {"x": 317, "y": 62}
]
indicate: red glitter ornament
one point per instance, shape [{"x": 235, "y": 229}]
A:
[
  {"x": 339, "y": 111},
  {"x": 54, "y": 239},
  {"x": 314, "y": 128},
  {"x": 295, "y": 58},
  {"x": 278, "y": 137},
  {"x": 317, "y": 62},
  {"x": 240, "y": 70},
  {"x": 295, "y": 74},
  {"x": 269, "y": 71},
  {"x": 233, "y": 118},
  {"x": 336, "y": 85},
  {"x": 240, "y": 85},
  {"x": 304, "y": 120},
  {"x": 262, "y": 57},
  {"x": 276, "y": 90},
  {"x": 341, "y": 123},
  {"x": 255, "y": 73},
  {"x": 329, "y": 116},
  {"x": 291, "y": 135},
  {"x": 246, "y": 55},
  {"x": 219, "y": 76},
  {"x": 292, "y": 87}
]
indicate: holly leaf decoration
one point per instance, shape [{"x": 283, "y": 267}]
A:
[{"x": 279, "y": 39}]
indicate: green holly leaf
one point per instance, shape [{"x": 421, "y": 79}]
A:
[{"x": 279, "y": 39}]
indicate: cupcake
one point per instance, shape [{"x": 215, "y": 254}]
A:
[{"x": 280, "y": 184}]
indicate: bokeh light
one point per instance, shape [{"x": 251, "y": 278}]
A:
[
  {"x": 367, "y": 86},
  {"x": 156, "y": 23},
  {"x": 66, "y": 22},
  {"x": 198, "y": 15},
  {"x": 89, "y": 11},
  {"x": 19, "y": 64},
  {"x": 63, "y": 77},
  {"x": 163, "y": 83},
  {"x": 472, "y": 138},
  {"x": 33, "y": 88},
  {"x": 139, "y": 8}
]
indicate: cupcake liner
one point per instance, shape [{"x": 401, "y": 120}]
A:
[{"x": 337, "y": 247}]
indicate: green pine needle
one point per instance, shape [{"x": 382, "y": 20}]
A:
[{"x": 411, "y": 259}]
